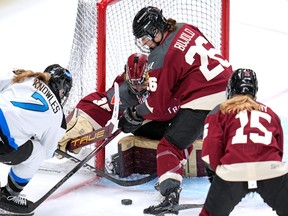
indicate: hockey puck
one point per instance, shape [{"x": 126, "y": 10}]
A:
[{"x": 126, "y": 201}]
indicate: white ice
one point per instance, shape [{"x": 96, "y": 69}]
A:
[{"x": 38, "y": 33}]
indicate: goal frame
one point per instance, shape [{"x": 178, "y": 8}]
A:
[{"x": 101, "y": 54}]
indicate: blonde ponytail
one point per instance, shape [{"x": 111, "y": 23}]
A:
[
  {"x": 21, "y": 75},
  {"x": 239, "y": 103}
]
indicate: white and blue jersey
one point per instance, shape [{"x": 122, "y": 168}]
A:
[{"x": 30, "y": 109}]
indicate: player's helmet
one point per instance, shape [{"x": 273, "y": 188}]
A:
[
  {"x": 60, "y": 82},
  {"x": 242, "y": 81},
  {"x": 136, "y": 73},
  {"x": 149, "y": 21}
]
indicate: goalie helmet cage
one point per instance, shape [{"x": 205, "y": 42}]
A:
[{"x": 103, "y": 39}]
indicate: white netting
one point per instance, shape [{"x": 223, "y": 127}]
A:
[
  {"x": 205, "y": 14},
  {"x": 82, "y": 63}
]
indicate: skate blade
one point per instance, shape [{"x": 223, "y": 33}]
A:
[{"x": 7, "y": 213}]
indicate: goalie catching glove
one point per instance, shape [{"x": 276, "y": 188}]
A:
[
  {"x": 130, "y": 121},
  {"x": 76, "y": 127}
]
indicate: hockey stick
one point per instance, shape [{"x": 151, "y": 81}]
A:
[
  {"x": 112, "y": 125},
  {"x": 31, "y": 207},
  {"x": 71, "y": 173},
  {"x": 180, "y": 207},
  {"x": 108, "y": 176},
  {"x": 109, "y": 137},
  {"x": 91, "y": 137},
  {"x": 102, "y": 133}
]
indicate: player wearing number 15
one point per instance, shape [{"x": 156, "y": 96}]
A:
[
  {"x": 187, "y": 79},
  {"x": 31, "y": 124},
  {"x": 243, "y": 144}
]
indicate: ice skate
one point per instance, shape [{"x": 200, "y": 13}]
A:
[
  {"x": 167, "y": 205},
  {"x": 14, "y": 204}
]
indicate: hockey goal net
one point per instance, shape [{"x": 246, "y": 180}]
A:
[{"x": 103, "y": 38}]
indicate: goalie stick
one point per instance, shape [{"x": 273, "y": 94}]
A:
[
  {"x": 108, "y": 176},
  {"x": 91, "y": 137},
  {"x": 100, "y": 134}
]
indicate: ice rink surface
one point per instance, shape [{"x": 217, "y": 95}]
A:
[{"x": 35, "y": 34}]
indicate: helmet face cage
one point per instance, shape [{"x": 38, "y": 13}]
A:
[
  {"x": 136, "y": 72},
  {"x": 142, "y": 47},
  {"x": 149, "y": 21},
  {"x": 243, "y": 81},
  {"x": 60, "y": 81}
]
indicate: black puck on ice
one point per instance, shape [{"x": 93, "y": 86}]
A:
[{"x": 126, "y": 201}]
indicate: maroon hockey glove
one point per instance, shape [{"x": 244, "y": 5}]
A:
[{"x": 130, "y": 121}]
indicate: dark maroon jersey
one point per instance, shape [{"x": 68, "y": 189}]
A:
[
  {"x": 187, "y": 72},
  {"x": 99, "y": 105},
  {"x": 242, "y": 138}
]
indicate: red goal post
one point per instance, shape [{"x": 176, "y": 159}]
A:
[{"x": 103, "y": 38}]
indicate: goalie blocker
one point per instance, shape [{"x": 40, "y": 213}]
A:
[{"x": 137, "y": 155}]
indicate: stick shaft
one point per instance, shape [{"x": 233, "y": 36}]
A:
[{"x": 74, "y": 170}]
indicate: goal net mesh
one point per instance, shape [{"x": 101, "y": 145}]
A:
[
  {"x": 118, "y": 41},
  {"x": 205, "y": 14}
]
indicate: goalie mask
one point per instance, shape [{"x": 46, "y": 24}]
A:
[
  {"x": 136, "y": 73},
  {"x": 243, "y": 81},
  {"x": 60, "y": 82},
  {"x": 148, "y": 22}
]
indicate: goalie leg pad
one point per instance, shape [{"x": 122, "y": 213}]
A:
[
  {"x": 195, "y": 166},
  {"x": 123, "y": 161},
  {"x": 136, "y": 155},
  {"x": 145, "y": 155}
]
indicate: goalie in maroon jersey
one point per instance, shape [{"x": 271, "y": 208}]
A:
[
  {"x": 243, "y": 144},
  {"x": 187, "y": 79},
  {"x": 94, "y": 110}
]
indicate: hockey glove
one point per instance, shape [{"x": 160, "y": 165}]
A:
[
  {"x": 77, "y": 126},
  {"x": 130, "y": 121},
  {"x": 210, "y": 173}
]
